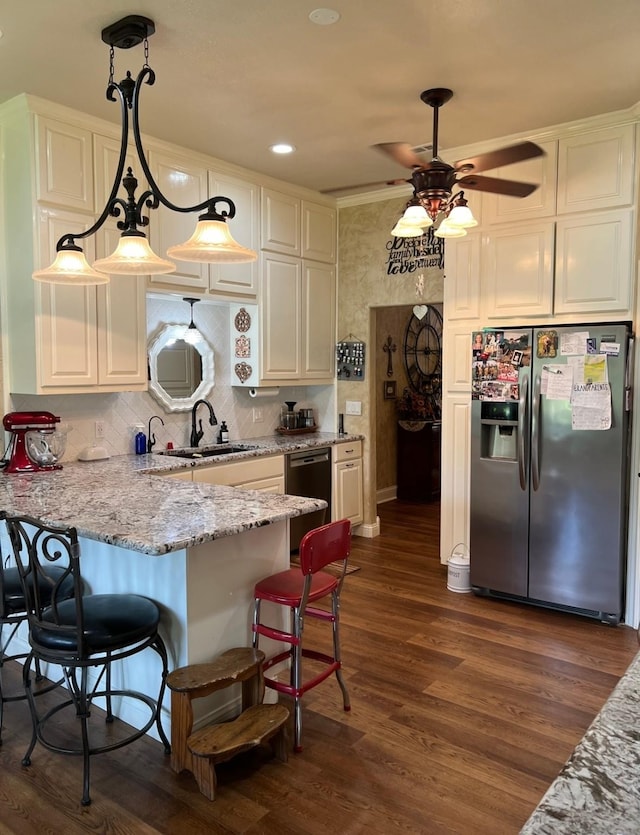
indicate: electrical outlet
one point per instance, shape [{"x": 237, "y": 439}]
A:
[
  {"x": 99, "y": 429},
  {"x": 258, "y": 417},
  {"x": 353, "y": 407}
]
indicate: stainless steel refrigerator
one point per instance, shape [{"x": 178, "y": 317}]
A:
[{"x": 550, "y": 448}]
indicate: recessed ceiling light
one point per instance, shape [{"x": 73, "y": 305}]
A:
[
  {"x": 324, "y": 17},
  {"x": 282, "y": 148}
]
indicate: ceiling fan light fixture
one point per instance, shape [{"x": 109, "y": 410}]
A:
[
  {"x": 416, "y": 214},
  {"x": 403, "y": 229},
  {"x": 447, "y": 230}
]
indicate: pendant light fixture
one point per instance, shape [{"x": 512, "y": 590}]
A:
[
  {"x": 211, "y": 242},
  {"x": 192, "y": 335}
]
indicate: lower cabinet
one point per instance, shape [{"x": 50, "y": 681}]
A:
[
  {"x": 264, "y": 474},
  {"x": 347, "y": 484}
]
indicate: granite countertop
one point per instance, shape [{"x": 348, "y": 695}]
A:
[
  {"x": 121, "y": 501},
  {"x": 597, "y": 791}
]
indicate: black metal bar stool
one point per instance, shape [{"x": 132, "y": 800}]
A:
[
  {"x": 80, "y": 633},
  {"x": 13, "y": 612}
]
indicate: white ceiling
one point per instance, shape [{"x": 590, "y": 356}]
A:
[{"x": 235, "y": 76}]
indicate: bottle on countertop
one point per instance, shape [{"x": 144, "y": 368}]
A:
[
  {"x": 140, "y": 440},
  {"x": 224, "y": 433}
]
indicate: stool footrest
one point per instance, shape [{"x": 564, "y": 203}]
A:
[
  {"x": 238, "y": 664},
  {"x": 254, "y": 726}
]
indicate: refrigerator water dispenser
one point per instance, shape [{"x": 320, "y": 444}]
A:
[{"x": 499, "y": 430}]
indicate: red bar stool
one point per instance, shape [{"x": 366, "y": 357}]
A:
[{"x": 297, "y": 588}]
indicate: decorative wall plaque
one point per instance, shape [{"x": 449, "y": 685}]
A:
[
  {"x": 243, "y": 347},
  {"x": 242, "y": 321},
  {"x": 243, "y": 371}
]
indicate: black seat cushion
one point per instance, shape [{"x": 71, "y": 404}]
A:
[
  {"x": 13, "y": 599},
  {"x": 111, "y": 622}
]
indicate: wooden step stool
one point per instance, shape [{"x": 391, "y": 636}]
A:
[{"x": 200, "y": 751}]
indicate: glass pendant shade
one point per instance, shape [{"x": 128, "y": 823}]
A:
[
  {"x": 462, "y": 216},
  {"x": 417, "y": 216},
  {"x": 447, "y": 230},
  {"x": 406, "y": 230},
  {"x": 134, "y": 256},
  {"x": 71, "y": 267},
  {"x": 192, "y": 335},
  {"x": 212, "y": 242}
]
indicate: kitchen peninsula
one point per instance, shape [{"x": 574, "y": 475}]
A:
[{"x": 196, "y": 549}]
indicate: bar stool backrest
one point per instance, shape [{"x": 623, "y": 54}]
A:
[{"x": 324, "y": 545}]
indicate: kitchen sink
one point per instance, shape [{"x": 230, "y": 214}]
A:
[{"x": 190, "y": 452}]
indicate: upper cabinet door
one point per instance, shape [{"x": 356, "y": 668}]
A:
[
  {"x": 595, "y": 170},
  {"x": 462, "y": 277},
  {"x": 237, "y": 279},
  {"x": 106, "y": 154},
  {"x": 318, "y": 321},
  {"x": 518, "y": 270},
  {"x": 280, "y": 328},
  {"x": 319, "y": 236},
  {"x": 281, "y": 222},
  {"x": 65, "y": 165},
  {"x": 184, "y": 184},
  {"x": 540, "y": 171}
]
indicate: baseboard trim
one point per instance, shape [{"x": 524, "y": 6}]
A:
[
  {"x": 387, "y": 494},
  {"x": 369, "y": 531}
]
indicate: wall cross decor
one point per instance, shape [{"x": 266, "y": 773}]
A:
[{"x": 390, "y": 347}]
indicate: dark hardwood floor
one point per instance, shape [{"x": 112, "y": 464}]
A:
[{"x": 463, "y": 711}]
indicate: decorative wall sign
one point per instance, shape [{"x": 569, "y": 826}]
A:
[
  {"x": 410, "y": 255},
  {"x": 243, "y": 371},
  {"x": 242, "y": 320}
]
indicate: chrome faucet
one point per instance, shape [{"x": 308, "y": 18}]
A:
[
  {"x": 196, "y": 434},
  {"x": 151, "y": 439}
]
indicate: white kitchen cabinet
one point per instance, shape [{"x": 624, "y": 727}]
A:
[
  {"x": 455, "y": 472},
  {"x": 87, "y": 338},
  {"x": 594, "y": 268},
  {"x": 319, "y": 232},
  {"x": 542, "y": 171},
  {"x": 281, "y": 222},
  {"x": 347, "y": 500},
  {"x": 280, "y": 317},
  {"x": 595, "y": 170},
  {"x": 517, "y": 271},
  {"x": 184, "y": 183},
  {"x": 265, "y": 474},
  {"x": 64, "y": 160},
  {"x": 237, "y": 280},
  {"x": 462, "y": 277},
  {"x": 178, "y": 475},
  {"x": 318, "y": 315}
]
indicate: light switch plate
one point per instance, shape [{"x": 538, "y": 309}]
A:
[{"x": 353, "y": 407}]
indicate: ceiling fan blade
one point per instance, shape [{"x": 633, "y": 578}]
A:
[
  {"x": 401, "y": 152},
  {"x": 512, "y": 188},
  {"x": 365, "y": 185},
  {"x": 503, "y": 156}
]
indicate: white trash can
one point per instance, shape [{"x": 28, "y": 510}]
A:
[{"x": 459, "y": 569}]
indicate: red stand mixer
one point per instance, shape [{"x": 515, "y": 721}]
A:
[{"x": 38, "y": 451}]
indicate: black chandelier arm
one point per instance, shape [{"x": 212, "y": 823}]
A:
[
  {"x": 147, "y": 75},
  {"x": 68, "y": 240}
]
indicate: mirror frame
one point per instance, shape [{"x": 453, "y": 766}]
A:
[{"x": 167, "y": 335}]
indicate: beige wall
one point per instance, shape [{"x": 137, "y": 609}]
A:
[{"x": 363, "y": 284}]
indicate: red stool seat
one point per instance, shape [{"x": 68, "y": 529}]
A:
[{"x": 296, "y": 588}]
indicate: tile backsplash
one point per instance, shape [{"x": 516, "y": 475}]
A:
[{"x": 121, "y": 411}]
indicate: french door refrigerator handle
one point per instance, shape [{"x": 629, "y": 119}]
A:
[
  {"x": 523, "y": 422},
  {"x": 535, "y": 434}
]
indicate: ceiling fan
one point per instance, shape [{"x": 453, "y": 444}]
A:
[{"x": 433, "y": 182}]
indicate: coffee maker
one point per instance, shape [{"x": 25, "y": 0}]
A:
[{"x": 20, "y": 424}]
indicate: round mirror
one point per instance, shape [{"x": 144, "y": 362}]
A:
[{"x": 179, "y": 373}]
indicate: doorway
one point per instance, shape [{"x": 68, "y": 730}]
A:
[{"x": 407, "y": 425}]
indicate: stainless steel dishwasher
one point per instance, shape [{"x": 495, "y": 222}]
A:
[{"x": 308, "y": 473}]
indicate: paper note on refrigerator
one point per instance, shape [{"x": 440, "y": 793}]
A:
[
  {"x": 574, "y": 343},
  {"x": 557, "y": 382},
  {"x": 591, "y": 406}
]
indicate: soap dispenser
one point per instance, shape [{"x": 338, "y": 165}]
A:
[
  {"x": 224, "y": 433},
  {"x": 140, "y": 440}
]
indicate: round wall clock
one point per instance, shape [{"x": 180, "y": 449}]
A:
[{"x": 422, "y": 350}]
